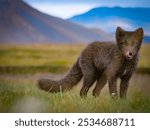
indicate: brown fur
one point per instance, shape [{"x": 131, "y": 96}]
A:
[{"x": 102, "y": 62}]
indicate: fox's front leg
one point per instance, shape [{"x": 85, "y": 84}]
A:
[
  {"x": 124, "y": 86},
  {"x": 112, "y": 82}
]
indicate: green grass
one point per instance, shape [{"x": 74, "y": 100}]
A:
[
  {"x": 51, "y": 58},
  {"x": 38, "y": 55},
  {"x": 144, "y": 61},
  {"x": 20, "y": 94}
]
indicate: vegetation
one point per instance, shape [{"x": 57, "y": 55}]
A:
[
  {"x": 49, "y": 58},
  {"x": 22, "y": 65},
  {"x": 20, "y": 94}
]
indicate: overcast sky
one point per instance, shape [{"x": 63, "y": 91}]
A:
[{"x": 68, "y": 8}]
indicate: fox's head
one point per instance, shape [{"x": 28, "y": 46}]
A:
[{"x": 129, "y": 42}]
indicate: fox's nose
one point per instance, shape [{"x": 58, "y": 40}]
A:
[{"x": 130, "y": 53}]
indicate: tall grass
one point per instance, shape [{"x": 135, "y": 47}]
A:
[{"x": 20, "y": 94}]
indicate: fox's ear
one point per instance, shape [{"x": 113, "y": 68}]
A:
[
  {"x": 119, "y": 33},
  {"x": 140, "y": 33}
]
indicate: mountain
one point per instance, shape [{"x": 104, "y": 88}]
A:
[
  {"x": 108, "y": 18},
  {"x": 20, "y": 23}
]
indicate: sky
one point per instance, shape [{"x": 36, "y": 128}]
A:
[{"x": 68, "y": 8}]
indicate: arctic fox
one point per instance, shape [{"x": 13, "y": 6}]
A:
[{"x": 102, "y": 62}]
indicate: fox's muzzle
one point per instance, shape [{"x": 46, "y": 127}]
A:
[{"x": 129, "y": 55}]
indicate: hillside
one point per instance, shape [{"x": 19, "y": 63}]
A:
[
  {"x": 108, "y": 19},
  {"x": 20, "y": 23}
]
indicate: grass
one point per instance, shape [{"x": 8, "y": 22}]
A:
[
  {"x": 144, "y": 61},
  {"x": 50, "y": 58},
  {"x": 22, "y": 65},
  {"x": 38, "y": 55},
  {"x": 20, "y": 94},
  {"x": 37, "y": 58}
]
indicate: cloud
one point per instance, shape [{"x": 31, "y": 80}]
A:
[
  {"x": 68, "y": 8},
  {"x": 121, "y": 23},
  {"x": 109, "y": 25},
  {"x": 64, "y": 11},
  {"x": 141, "y": 3}
]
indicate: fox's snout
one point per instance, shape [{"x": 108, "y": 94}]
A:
[{"x": 129, "y": 55}]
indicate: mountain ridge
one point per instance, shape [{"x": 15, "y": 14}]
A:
[
  {"x": 108, "y": 18},
  {"x": 21, "y": 23}
]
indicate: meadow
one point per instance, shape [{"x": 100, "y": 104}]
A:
[{"x": 22, "y": 65}]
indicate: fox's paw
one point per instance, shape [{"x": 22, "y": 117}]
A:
[{"x": 114, "y": 95}]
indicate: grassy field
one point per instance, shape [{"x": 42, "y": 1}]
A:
[
  {"x": 22, "y": 65},
  {"x": 32, "y": 58},
  {"x": 49, "y": 58}
]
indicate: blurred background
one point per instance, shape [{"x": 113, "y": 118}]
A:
[
  {"x": 43, "y": 38},
  {"x": 73, "y": 21}
]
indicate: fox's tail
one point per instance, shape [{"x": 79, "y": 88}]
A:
[{"x": 64, "y": 84}]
